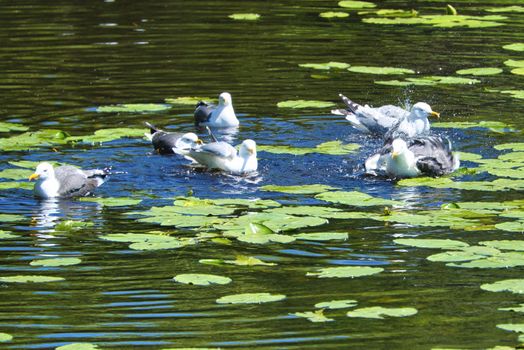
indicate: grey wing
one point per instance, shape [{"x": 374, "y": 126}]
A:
[
  {"x": 434, "y": 155},
  {"x": 203, "y": 112},
  {"x": 73, "y": 182},
  {"x": 393, "y": 111},
  {"x": 163, "y": 142},
  {"x": 219, "y": 149}
]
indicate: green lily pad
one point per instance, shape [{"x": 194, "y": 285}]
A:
[
  {"x": 510, "y": 285},
  {"x": 333, "y": 14},
  {"x": 429, "y": 80},
  {"x": 431, "y": 243},
  {"x": 353, "y": 4},
  {"x": 514, "y": 47},
  {"x": 15, "y": 174},
  {"x": 495, "y": 126},
  {"x": 171, "y": 244},
  {"x": 30, "y": 279},
  {"x": 354, "y": 198},
  {"x": 518, "y": 71},
  {"x": 186, "y": 100},
  {"x": 511, "y": 226},
  {"x": 5, "y": 337},
  {"x": 508, "y": 244},
  {"x": 56, "y": 262},
  {"x": 325, "y": 66},
  {"x": 11, "y": 218},
  {"x": 330, "y": 147},
  {"x": 7, "y": 127},
  {"x": 241, "y": 260},
  {"x": 512, "y": 327},
  {"x": 244, "y": 16},
  {"x": 468, "y": 156},
  {"x": 515, "y": 146},
  {"x": 390, "y": 13},
  {"x": 514, "y": 93},
  {"x": 454, "y": 256},
  {"x": 380, "y": 70},
  {"x": 304, "y": 104},
  {"x": 298, "y": 189},
  {"x": 78, "y": 346},
  {"x": 480, "y": 71},
  {"x": 72, "y": 225},
  {"x": 261, "y": 234},
  {"x": 322, "y": 236},
  {"x": 441, "y": 21},
  {"x": 502, "y": 260},
  {"x": 106, "y": 135},
  {"x": 336, "y": 304},
  {"x": 379, "y": 312},
  {"x": 112, "y": 201},
  {"x": 133, "y": 108},
  {"x": 250, "y": 298},
  {"x": 8, "y": 185},
  {"x": 514, "y": 63},
  {"x": 201, "y": 279},
  {"x": 345, "y": 271},
  {"x": 33, "y": 140},
  {"x": 506, "y": 9},
  {"x": 6, "y": 235},
  {"x": 519, "y": 308},
  {"x": 313, "y": 316}
]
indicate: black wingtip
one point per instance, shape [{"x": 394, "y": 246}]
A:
[{"x": 152, "y": 128}]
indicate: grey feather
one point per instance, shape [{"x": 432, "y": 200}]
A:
[
  {"x": 203, "y": 112},
  {"x": 75, "y": 182},
  {"x": 220, "y": 149}
]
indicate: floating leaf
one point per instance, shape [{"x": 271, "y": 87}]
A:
[
  {"x": 133, "y": 108},
  {"x": 304, "y": 104},
  {"x": 13, "y": 184},
  {"x": 429, "y": 80},
  {"x": 6, "y": 235},
  {"x": 515, "y": 146},
  {"x": 30, "y": 279},
  {"x": 298, "y": 189},
  {"x": 514, "y": 47},
  {"x": 186, "y": 100},
  {"x": 261, "y": 234},
  {"x": 495, "y": 126},
  {"x": 15, "y": 174},
  {"x": 32, "y": 140},
  {"x": 313, "y": 316},
  {"x": 431, "y": 243},
  {"x": 518, "y": 71},
  {"x": 515, "y": 308},
  {"x": 56, "y": 262},
  {"x": 512, "y": 244},
  {"x": 250, "y": 298},
  {"x": 380, "y": 70},
  {"x": 112, "y": 201},
  {"x": 511, "y": 226},
  {"x": 345, "y": 271},
  {"x": 354, "y": 198},
  {"x": 454, "y": 256},
  {"x": 330, "y": 147},
  {"x": 442, "y": 21},
  {"x": 11, "y": 218},
  {"x": 7, "y": 127},
  {"x": 243, "y": 260},
  {"x": 325, "y": 66},
  {"x": 201, "y": 279},
  {"x": 78, "y": 346},
  {"x": 502, "y": 260},
  {"x": 379, "y": 312},
  {"x": 514, "y": 63},
  {"x": 5, "y": 337},
  {"x": 390, "y": 13},
  {"x": 510, "y": 285},
  {"x": 72, "y": 225},
  {"x": 106, "y": 135},
  {"x": 480, "y": 71},
  {"x": 332, "y": 14},
  {"x": 512, "y": 327},
  {"x": 244, "y": 16},
  {"x": 353, "y": 4},
  {"x": 336, "y": 304},
  {"x": 514, "y": 93},
  {"x": 322, "y": 236},
  {"x": 506, "y": 9}
]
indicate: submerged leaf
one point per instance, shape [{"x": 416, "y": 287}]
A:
[
  {"x": 201, "y": 279},
  {"x": 379, "y": 312},
  {"x": 345, "y": 271},
  {"x": 250, "y": 298}
]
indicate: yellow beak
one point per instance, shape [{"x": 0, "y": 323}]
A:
[
  {"x": 199, "y": 142},
  {"x": 33, "y": 177},
  {"x": 394, "y": 155},
  {"x": 435, "y": 114}
]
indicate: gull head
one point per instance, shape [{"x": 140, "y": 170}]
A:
[
  {"x": 43, "y": 171},
  {"x": 224, "y": 99},
  {"x": 248, "y": 148},
  {"x": 399, "y": 147},
  {"x": 422, "y": 110},
  {"x": 188, "y": 140}
]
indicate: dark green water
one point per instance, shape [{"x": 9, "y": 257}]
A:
[{"x": 59, "y": 59}]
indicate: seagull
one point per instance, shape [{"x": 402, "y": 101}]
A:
[
  {"x": 221, "y": 155},
  {"x": 163, "y": 141},
  {"x": 401, "y": 158},
  {"x": 66, "y": 181},
  {"x": 221, "y": 116},
  {"x": 389, "y": 120}
]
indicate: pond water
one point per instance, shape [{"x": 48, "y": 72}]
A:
[{"x": 62, "y": 61}]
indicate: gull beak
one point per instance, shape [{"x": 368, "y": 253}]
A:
[
  {"x": 394, "y": 155},
  {"x": 199, "y": 142},
  {"x": 34, "y": 177},
  {"x": 435, "y": 114},
  {"x": 251, "y": 150}
]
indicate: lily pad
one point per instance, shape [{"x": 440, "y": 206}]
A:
[
  {"x": 519, "y": 308},
  {"x": 261, "y": 234},
  {"x": 508, "y": 244},
  {"x": 431, "y": 243},
  {"x": 8, "y": 127},
  {"x": 480, "y": 71},
  {"x": 186, "y": 100},
  {"x": 329, "y": 147},
  {"x": 112, "y": 201},
  {"x": 5, "y": 337},
  {"x": 322, "y": 236},
  {"x": 78, "y": 346},
  {"x": 313, "y": 316},
  {"x": 30, "y": 279},
  {"x": 512, "y": 327},
  {"x": 133, "y": 108},
  {"x": 514, "y": 63},
  {"x": 56, "y": 262},
  {"x": 15, "y": 174},
  {"x": 441, "y": 21},
  {"x": 11, "y": 218},
  {"x": 511, "y": 226},
  {"x": 354, "y": 198},
  {"x": 333, "y": 14},
  {"x": 495, "y": 126},
  {"x": 6, "y": 235},
  {"x": 304, "y": 104},
  {"x": 145, "y": 241},
  {"x": 325, "y": 66},
  {"x": 241, "y": 260},
  {"x": 514, "y": 8},
  {"x": 14, "y": 184},
  {"x": 390, "y": 13},
  {"x": 430, "y": 80},
  {"x": 514, "y": 47},
  {"x": 353, "y": 4},
  {"x": 380, "y": 70},
  {"x": 502, "y": 260},
  {"x": 518, "y": 71},
  {"x": 514, "y": 93},
  {"x": 201, "y": 279},
  {"x": 72, "y": 225},
  {"x": 379, "y": 312},
  {"x": 336, "y": 304},
  {"x": 298, "y": 189},
  {"x": 510, "y": 285},
  {"x": 250, "y": 298},
  {"x": 106, "y": 135},
  {"x": 345, "y": 271},
  {"x": 244, "y": 16},
  {"x": 33, "y": 140}
]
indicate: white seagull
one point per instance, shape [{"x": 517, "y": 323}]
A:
[
  {"x": 66, "y": 181},
  {"x": 163, "y": 142},
  {"x": 390, "y": 121},
  {"x": 221, "y": 116},
  {"x": 221, "y": 155},
  {"x": 427, "y": 156}
]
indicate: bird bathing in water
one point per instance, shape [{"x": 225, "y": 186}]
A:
[
  {"x": 163, "y": 141},
  {"x": 218, "y": 116},
  {"x": 66, "y": 181}
]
